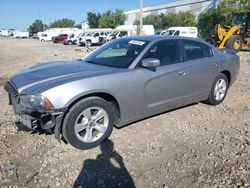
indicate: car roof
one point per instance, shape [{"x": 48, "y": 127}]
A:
[
  {"x": 182, "y": 28},
  {"x": 152, "y": 38}
]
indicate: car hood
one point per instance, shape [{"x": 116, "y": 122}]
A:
[{"x": 49, "y": 74}]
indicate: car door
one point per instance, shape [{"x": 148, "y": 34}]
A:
[
  {"x": 163, "y": 85},
  {"x": 202, "y": 68}
]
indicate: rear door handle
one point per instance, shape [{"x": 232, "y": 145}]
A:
[
  {"x": 214, "y": 64},
  {"x": 182, "y": 73}
]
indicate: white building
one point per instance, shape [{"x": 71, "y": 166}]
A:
[{"x": 195, "y": 6}]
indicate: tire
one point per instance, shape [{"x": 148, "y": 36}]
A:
[
  {"x": 235, "y": 42},
  {"x": 70, "y": 42},
  {"x": 42, "y": 40},
  {"x": 218, "y": 93},
  {"x": 88, "y": 43},
  {"x": 80, "y": 120}
]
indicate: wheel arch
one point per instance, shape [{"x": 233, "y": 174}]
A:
[
  {"x": 228, "y": 75},
  {"x": 103, "y": 95}
]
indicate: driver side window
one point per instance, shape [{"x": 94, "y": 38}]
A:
[{"x": 168, "y": 52}]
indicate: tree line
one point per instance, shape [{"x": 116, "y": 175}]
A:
[
  {"x": 108, "y": 19},
  {"x": 38, "y": 25},
  {"x": 205, "y": 22}
]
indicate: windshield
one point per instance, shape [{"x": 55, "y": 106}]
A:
[
  {"x": 157, "y": 33},
  {"x": 169, "y": 32},
  {"x": 114, "y": 33},
  {"x": 80, "y": 35},
  {"x": 90, "y": 34},
  {"x": 118, "y": 53},
  {"x": 239, "y": 19}
]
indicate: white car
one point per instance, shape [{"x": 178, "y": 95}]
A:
[
  {"x": 181, "y": 31},
  {"x": 21, "y": 35},
  {"x": 117, "y": 35},
  {"x": 92, "y": 38}
]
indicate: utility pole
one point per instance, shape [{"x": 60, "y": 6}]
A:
[
  {"x": 141, "y": 17},
  {"x": 214, "y": 4},
  {"x": 105, "y": 6}
]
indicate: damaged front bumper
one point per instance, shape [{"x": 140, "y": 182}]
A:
[
  {"x": 33, "y": 119},
  {"x": 49, "y": 122}
]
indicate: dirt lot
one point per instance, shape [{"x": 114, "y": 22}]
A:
[{"x": 195, "y": 146}]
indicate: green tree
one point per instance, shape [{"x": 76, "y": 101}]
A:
[
  {"x": 119, "y": 17},
  {"x": 156, "y": 20},
  {"x": 164, "y": 21},
  {"x": 93, "y": 19},
  {"x": 37, "y": 26},
  {"x": 112, "y": 19},
  {"x": 221, "y": 15},
  {"x": 65, "y": 22},
  {"x": 107, "y": 20},
  {"x": 179, "y": 19},
  {"x": 208, "y": 20},
  {"x": 79, "y": 26}
]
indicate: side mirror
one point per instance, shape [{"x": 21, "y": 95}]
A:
[{"x": 150, "y": 62}]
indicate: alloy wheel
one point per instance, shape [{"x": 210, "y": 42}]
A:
[
  {"x": 220, "y": 89},
  {"x": 91, "y": 124}
]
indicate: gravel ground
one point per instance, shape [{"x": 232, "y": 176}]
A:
[{"x": 195, "y": 146}]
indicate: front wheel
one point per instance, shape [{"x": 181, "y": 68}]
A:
[
  {"x": 88, "y": 123},
  {"x": 218, "y": 91},
  {"x": 235, "y": 42}
]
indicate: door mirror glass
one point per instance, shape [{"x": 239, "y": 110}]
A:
[{"x": 150, "y": 62}]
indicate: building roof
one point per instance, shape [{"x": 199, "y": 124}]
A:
[{"x": 168, "y": 5}]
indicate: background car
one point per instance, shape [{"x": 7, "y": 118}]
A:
[{"x": 60, "y": 38}]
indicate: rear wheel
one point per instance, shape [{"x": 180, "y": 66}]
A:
[
  {"x": 235, "y": 42},
  {"x": 88, "y": 123},
  {"x": 218, "y": 91}
]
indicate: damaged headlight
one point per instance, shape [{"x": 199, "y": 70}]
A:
[{"x": 38, "y": 102}]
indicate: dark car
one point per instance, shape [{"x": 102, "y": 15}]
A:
[{"x": 59, "y": 38}]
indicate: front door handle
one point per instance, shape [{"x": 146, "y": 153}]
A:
[
  {"x": 182, "y": 73},
  {"x": 214, "y": 64}
]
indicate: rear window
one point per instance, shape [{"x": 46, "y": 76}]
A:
[{"x": 196, "y": 50}]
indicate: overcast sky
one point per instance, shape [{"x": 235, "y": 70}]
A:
[{"x": 19, "y": 14}]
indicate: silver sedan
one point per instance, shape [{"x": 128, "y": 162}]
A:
[{"x": 121, "y": 82}]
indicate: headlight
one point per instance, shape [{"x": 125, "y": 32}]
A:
[{"x": 36, "y": 101}]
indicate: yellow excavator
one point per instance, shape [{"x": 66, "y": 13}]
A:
[{"x": 236, "y": 36}]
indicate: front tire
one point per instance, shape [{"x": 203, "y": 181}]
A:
[
  {"x": 218, "y": 91},
  {"x": 88, "y": 123},
  {"x": 235, "y": 42}
]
